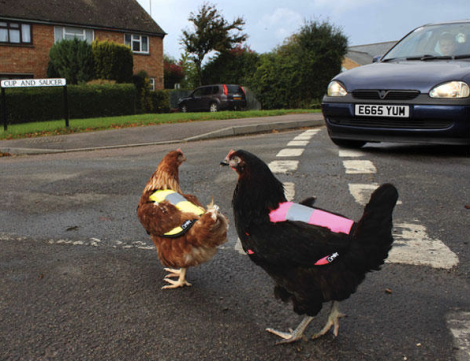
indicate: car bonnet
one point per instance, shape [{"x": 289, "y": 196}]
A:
[{"x": 416, "y": 75}]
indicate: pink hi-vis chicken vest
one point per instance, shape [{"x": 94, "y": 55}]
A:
[{"x": 290, "y": 211}]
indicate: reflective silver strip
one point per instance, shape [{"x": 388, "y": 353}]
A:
[{"x": 298, "y": 212}]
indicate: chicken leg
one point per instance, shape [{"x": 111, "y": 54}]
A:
[
  {"x": 181, "y": 282},
  {"x": 292, "y": 336},
  {"x": 333, "y": 320}
]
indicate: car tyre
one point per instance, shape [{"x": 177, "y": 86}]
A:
[
  {"x": 214, "y": 107},
  {"x": 183, "y": 109},
  {"x": 345, "y": 143}
]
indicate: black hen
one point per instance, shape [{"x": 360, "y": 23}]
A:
[{"x": 310, "y": 263}]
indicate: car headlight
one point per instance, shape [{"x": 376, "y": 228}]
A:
[
  {"x": 453, "y": 89},
  {"x": 336, "y": 89}
]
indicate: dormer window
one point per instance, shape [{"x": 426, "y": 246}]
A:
[
  {"x": 15, "y": 33},
  {"x": 138, "y": 43}
]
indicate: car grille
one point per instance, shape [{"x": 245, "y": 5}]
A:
[
  {"x": 393, "y": 123},
  {"x": 385, "y": 94}
]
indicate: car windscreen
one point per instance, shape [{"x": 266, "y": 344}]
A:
[{"x": 433, "y": 42}]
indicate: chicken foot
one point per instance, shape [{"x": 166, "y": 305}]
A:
[
  {"x": 333, "y": 321},
  {"x": 292, "y": 336},
  {"x": 181, "y": 282}
]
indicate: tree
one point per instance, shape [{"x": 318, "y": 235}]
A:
[
  {"x": 211, "y": 33},
  {"x": 190, "y": 79},
  {"x": 319, "y": 49},
  {"x": 72, "y": 60},
  {"x": 235, "y": 66},
  {"x": 297, "y": 73},
  {"x": 173, "y": 71}
]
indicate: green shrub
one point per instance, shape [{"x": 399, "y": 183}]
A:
[
  {"x": 102, "y": 100},
  {"x": 142, "y": 84},
  {"x": 26, "y": 105},
  {"x": 161, "y": 101},
  {"x": 72, "y": 60},
  {"x": 112, "y": 61},
  {"x": 297, "y": 73}
]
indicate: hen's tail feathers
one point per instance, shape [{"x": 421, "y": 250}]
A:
[{"x": 372, "y": 238}]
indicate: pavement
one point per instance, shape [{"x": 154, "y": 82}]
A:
[{"x": 158, "y": 134}]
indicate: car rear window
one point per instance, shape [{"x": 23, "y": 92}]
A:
[{"x": 233, "y": 89}]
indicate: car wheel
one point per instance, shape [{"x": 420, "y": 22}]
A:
[
  {"x": 345, "y": 143},
  {"x": 183, "y": 109},
  {"x": 214, "y": 107}
]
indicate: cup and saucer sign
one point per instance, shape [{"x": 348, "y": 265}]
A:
[
  {"x": 25, "y": 83},
  {"x": 28, "y": 83}
]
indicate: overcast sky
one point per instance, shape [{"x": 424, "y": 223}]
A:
[{"x": 269, "y": 22}]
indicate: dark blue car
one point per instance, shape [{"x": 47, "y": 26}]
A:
[{"x": 419, "y": 91}]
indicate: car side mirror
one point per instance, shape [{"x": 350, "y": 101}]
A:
[{"x": 376, "y": 59}]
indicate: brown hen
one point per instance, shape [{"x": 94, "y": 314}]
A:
[{"x": 184, "y": 232}]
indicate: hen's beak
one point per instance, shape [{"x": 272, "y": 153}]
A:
[{"x": 224, "y": 163}]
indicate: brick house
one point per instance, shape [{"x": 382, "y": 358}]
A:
[{"x": 28, "y": 29}]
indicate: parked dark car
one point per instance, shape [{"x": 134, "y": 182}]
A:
[
  {"x": 419, "y": 91},
  {"x": 214, "y": 98}
]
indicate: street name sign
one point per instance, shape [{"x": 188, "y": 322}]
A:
[
  {"x": 27, "y": 83},
  {"x": 24, "y": 83}
]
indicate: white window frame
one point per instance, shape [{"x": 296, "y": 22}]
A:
[
  {"x": 60, "y": 33},
  {"x": 134, "y": 39},
  {"x": 69, "y": 34},
  {"x": 152, "y": 83}
]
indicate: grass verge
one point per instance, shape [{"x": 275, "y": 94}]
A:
[{"x": 57, "y": 127}]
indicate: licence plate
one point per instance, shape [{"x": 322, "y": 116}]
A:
[
  {"x": 237, "y": 98},
  {"x": 373, "y": 110}
]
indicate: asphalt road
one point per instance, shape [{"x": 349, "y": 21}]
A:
[{"x": 82, "y": 281}]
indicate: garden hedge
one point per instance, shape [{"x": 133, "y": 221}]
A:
[{"x": 25, "y": 105}]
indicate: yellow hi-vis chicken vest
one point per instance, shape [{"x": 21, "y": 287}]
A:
[{"x": 182, "y": 204}]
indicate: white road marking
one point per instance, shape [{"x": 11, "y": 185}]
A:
[
  {"x": 290, "y": 152},
  {"x": 297, "y": 143},
  {"x": 459, "y": 324},
  {"x": 283, "y": 166},
  {"x": 350, "y": 153},
  {"x": 289, "y": 190},
  {"x": 362, "y": 192},
  {"x": 413, "y": 246},
  {"x": 307, "y": 135},
  {"x": 312, "y": 131},
  {"x": 238, "y": 247},
  {"x": 359, "y": 167}
]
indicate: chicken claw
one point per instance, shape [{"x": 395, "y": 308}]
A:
[
  {"x": 333, "y": 321},
  {"x": 181, "y": 282},
  {"x": 292, "y": 336}
]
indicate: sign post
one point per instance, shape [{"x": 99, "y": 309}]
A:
[{"x": 28, "y": 83}]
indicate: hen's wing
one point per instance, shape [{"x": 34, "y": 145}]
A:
[
  {"x": 157, "y": 219},
  {"x": 293, "y": 243}
]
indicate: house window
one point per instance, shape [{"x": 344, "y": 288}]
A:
[
  {"x": 138, "y": 43},
  {"x": 68, "y": 33},
  {"x": 152, "y": 83},
  {"x": 15, "y": 33}
]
